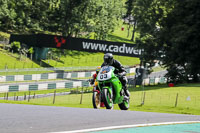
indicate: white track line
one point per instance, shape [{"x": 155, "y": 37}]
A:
[{"x": 127, "y": 126}]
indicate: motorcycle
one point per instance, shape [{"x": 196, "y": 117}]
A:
[{"x": 108, "y": 90}]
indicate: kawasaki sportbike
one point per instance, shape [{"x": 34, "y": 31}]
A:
[{"x": 110, "y": 89}]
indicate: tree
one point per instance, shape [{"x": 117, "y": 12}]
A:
[
  {"x": 106, "y": 17},
  {"x": 24, "y": 16},
  {"x": 83, "y": 17},
  {"x": 169, "y": 33},
  {"x": 7, "y": 15},
  {"x": 181, "y": 35},
  {"x": 76, "y": 18}
]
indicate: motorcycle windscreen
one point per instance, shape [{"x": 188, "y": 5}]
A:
[{"x": 105, "y": 73}]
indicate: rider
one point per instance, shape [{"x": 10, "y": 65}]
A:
[
  {"x": 119, "y": 69},
  {"x": 95, "y": 75}
]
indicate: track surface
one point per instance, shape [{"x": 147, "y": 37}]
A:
[{"x": 15, "y": 118}]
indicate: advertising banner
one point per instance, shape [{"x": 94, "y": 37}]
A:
[{"x": 79, "y": 44}]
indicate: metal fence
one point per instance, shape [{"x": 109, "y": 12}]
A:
[
  {"x": 147, "y": 81},
  {"x": 47, "y": 85},
  {"x": 81, "y": 96},
  {"x": 48, "y": 69}
]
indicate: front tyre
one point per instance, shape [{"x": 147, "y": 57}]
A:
[
  {"x": 107, "y": 99},
  {"x": 124, "y": 105},
  {"x": 96, "y": 100}
]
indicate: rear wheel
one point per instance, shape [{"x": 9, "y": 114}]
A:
[
  {"x": 96, "y": 100},
  {"x": 107, "y": 99},
  {"x": 124, "y": 105}
]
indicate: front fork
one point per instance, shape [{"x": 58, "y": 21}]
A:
[
  {"x": 96, "y": 89},
  {"x": 110, "y": 92}
]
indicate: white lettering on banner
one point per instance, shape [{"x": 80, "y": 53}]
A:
[
  {"x": 102, "y": 47},
  {"x": 86, "y": 45},
  {"x": 122, "y": 48},
  {"x": 116, "y": 49},
  {"x": 111, "y": 48},
  {"x": 94, "y": 46}
]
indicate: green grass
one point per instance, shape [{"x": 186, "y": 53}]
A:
[
  {"x": 122, "y": 36},
  {"x": 37, "y": 92},
  {"x": 158, "y": 68},
  {"x": 157, "y": 99},
  {"x": 89, "y": 59},
  {"x": 82, "y": 59},
  {"x": 86, "y": 59},
  {"x": 163, "y": 99},
  {"x": 12, "y": 61}
]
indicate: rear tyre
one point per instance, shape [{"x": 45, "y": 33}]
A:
[
  {"x": 124, "y": 105},
  {"x": 107, "y": 99},
  {"x": 96, "y": 100}
]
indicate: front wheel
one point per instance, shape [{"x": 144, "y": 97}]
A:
[
  {"x": 107, "y": 98},
  {"x": 96, "y": 100}
]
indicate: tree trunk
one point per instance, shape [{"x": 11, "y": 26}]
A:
[
  {"x": 129, "y": 26},
  {"x": 134, "y": 26}
]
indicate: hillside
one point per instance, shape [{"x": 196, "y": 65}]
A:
[
  {"x": 11, "y": 61},
  {"x": 72, "y": 59}
]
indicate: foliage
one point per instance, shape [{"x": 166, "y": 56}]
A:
[
  {"x": 181, "y": 35},
  {"x": 4, "y": 35},
  {"x": 7, "y": 15},
  {"x": 81, "y": 18},
  {"x": 24, "y": 16},
  {"x": 30, "y": 50},
  {"x": 15, "y": 46},
  {"x": 77, "y": 18},
  {"x": 169, "y": 33}
]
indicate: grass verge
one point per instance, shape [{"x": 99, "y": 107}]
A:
[{"x": 150, "y": 99}]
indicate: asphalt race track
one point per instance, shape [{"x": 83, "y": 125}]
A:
[{"x": 16, "y": 118}]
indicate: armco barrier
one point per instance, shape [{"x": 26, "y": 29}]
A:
[
  {"x": 46, "y": 76},
  {"x": 43, "y": 86},
  {"x": 61, "y": 84},
  {"x": 67, "y": 84}
]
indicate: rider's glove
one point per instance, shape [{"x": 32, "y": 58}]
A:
[
  {"x": 91, "y": 81},
  {"x": 120, "y": 74}
]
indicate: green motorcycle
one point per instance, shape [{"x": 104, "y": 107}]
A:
[{"x": 110, "y": 88}]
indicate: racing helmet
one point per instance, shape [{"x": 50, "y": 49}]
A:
[
  {"x": 98, "y": 69},
  {"x": 108, "y": 59}
]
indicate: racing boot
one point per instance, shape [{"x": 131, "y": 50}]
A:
[
  {"x": 126, "y": 91},
  {"x": 102, "y": 104}
]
